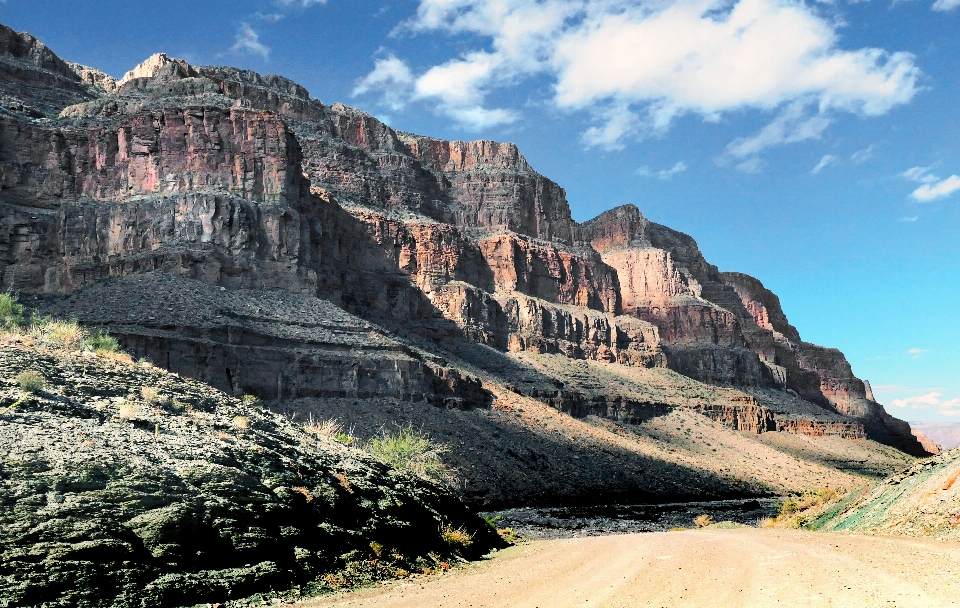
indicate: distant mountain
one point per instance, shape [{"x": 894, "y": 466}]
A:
[{"x": 944, "y": 434}]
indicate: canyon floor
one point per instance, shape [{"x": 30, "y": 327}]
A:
[{"x": 744, "y": 567}]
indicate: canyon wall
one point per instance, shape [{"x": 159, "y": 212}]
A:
[{"x": 245, "y": 182}]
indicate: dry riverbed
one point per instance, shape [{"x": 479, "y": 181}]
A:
[{"x": 704, "y": 568}]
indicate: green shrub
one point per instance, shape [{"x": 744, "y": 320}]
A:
[
  {"x": 101, "y": 342},
  {"x": 11, "y": 311},
  {"x": 31, "y": 381},
  {"x": 410, "y": 450}
]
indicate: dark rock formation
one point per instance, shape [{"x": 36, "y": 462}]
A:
[{"x": 122, "y": 485}]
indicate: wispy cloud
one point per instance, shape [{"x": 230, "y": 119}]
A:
[
  {"x": 862, "y": 156},
  {"x": 912, "y": 218},
  {"x": 696, "y": 60},
  {"x": 916, "y": 353},
  {"x": 828, "y": 159},
  {"x": 680, "y": 167},
  {"x": 269, "y": 17},
  {"x": 248, "y": 41}
]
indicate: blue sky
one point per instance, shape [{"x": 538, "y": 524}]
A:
[{"x": 815, "y": 146}]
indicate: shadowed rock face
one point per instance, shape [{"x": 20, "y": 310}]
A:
[
  {"x": 244, "y": 181},
  {"x": 108, "y": 498}
]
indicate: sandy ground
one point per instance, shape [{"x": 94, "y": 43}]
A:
[{"x": 746, "y": 567}]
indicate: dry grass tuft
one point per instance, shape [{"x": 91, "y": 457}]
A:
[
  {"x": 128, "y": 411},
  {"x": 241, "y": 423},
  {"x": 456, "y": 537},
  {"x": 305, "y": 492},
  {"x": 344, "y": 482},
  {"x": 702, "y": 521}
]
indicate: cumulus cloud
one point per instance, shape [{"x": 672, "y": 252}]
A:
[
  {"x": 945, "y": 5},
  {"x": 828, "y": 159},
  {"x": 636, "y": 65},
  {"x": 933, "y": 187},
  {"x": 248, "y": 41},
  {"x": 680, "y": 167},
  {"x": 950, "y": 407},
  {"x": 862, "y": 156}
]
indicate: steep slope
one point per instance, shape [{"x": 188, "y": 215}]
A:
[
  {"x": 122, "y": 485},
  {"x": 228, "y": 226},
  {"x": 921, "y": 501}
]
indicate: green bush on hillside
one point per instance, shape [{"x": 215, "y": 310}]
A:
[{"x": 408, "y": 449}]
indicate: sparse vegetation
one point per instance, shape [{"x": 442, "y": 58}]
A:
[
  {"x": 54, "y": 334},
  {"x": 241, "y": 423},
  {"x": 128, "y": 411},
  {"x": 797, "y": 511},
  {"x": 457, "y": 538},
  {"x": 702, "y": 521},
  {"x": 411, "y": 450},
  {"x": 31, "y": 381}
]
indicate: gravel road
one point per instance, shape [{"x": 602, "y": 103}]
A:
[{"x": 743, "y": 568}]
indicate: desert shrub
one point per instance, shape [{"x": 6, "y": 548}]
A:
[
  {"x": 702, "y": 521},
  {"x": 128, "y": 411},
  {"x": 101, "y": 342},
  {"x": 457, "y": 538},
  {"x": 249, "y": 400},
  {"x": 409, "y": 450},
  {"x": 241, "y": 423},
  {"x": 63, "y": 335},
  {"x": 31, "y": 381},
  {"x": 11, "y": 311},
  {"x": 151, "y": 395}
]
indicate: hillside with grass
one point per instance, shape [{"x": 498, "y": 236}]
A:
[{"x": 124, "y": 485}]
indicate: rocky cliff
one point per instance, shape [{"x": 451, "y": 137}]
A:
[{"x": 310, "y": 251}]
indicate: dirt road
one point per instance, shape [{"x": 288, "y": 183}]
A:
[{"x": 746, "y": 567}]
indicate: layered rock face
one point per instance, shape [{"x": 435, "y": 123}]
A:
[{"x": 245, "y": 182}]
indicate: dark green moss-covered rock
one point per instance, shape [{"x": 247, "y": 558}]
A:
[{"x": 122, "y": 485}]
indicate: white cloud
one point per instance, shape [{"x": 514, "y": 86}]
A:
[
  {"x": 680, "y": 167},
  {"x": 751, "y": 165},
  {"x": 390, "y": 75},
  {"x": 945, "y": 5},
  {"x": 271, "y": 17},
  {"x": 919, "y": 174},
  {"x": 828, "y": 159},
  {"x": 635, "y": 66},
  {"x": 933, "y": 187},
  {"x": 950, "y": 407},
  {"x": 916, "y": 353},
  {"x": 300, "y": 3},
  {"x": 862, "y": 156},
  {"x": 911, "y": 218},
  {"x": 935, "y": 190},
  {"x": 248, "y": 41}
]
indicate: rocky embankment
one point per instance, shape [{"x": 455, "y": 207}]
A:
[
  {"x": 231, "y": 227},
  {"x": 124, "y": 485},
  {"x": 923, "y": 500}
]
